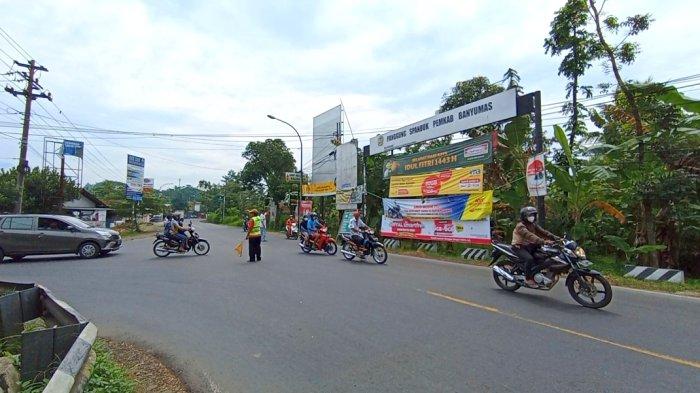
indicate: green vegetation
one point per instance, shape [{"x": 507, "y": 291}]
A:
[
  {"x": 107, "y": 376},
  {"x": 41, "y": 191}
]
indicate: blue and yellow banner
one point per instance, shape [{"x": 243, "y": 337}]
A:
[{"x": 470, "y": 207}]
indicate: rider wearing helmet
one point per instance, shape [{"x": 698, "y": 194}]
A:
[
  {"x": 312, "y": 226},
  {"x": 527, "y": 238}
]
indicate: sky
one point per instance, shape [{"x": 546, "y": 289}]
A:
[{"x": 219, "y": 67}]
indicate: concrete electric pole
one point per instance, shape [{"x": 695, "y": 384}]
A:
[{"x": 32, "y": 84}]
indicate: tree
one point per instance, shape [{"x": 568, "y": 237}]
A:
[
  {"x": 624, "y": 53},
  {"x": 41, "y": 189},
  {"x": 267, "y": 163},
  {"x": 568, "y": 35}
]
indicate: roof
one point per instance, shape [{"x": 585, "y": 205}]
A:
[{"x": 92, "y": 198}]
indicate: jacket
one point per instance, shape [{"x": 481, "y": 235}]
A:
[{"x": 527, "y": 234}]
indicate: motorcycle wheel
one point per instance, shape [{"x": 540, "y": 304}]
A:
[
  {"x": 379, "y": 254},
  {"x": 201, "y": 248},
  {"x": 589, "y": 297},
  {"x": 502, "y": 282},
  {"x": 348, "y": 248},
  {"x": 331, "y": 248},
  {"x": 159, "y": 249},
  {"x": 305, "y": 248}
]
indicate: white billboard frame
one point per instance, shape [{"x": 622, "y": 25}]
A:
[{"x": 327, "y": 128}]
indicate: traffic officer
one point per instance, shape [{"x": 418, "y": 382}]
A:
[{"x": 253, "y": 236}]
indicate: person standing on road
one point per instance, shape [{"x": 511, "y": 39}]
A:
[{"x": 254, "y": 236}]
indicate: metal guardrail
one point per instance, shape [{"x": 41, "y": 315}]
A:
[{"x": 61, "y": 350}]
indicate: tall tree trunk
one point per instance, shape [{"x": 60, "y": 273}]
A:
[{"x": 646, "y": 222}]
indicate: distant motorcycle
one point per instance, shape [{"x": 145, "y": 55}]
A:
[
  {"x": 292, "y": 231},
  {"x": 586, "y": 286},
  {"x": 374, "y": 247},
  {"x": 164, "y": 245},
  {"x": 323, "y": 242}
]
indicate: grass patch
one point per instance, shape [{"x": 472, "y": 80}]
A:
[
  {"x": 146, "y": 229},
  {"x": 107, "y": 376}
]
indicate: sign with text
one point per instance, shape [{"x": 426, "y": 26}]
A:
[
  {"x": 444, "y": 230},
  {"x": 535, "y": 174},
  {"x": 73, "y": 148},
  {"x": 134, "y": 177},
  {"x": 306, "y": 207},
  {"x": 478, "y": 150},
  {"x": 470, "y": 207},
  {"x": 491, "y": 109},
  {"x": 148, "y": 183},
  {"x": 452, "y": 181},
  {"x": 345, "y": 222},
  {"x": 319, "y": 189}
]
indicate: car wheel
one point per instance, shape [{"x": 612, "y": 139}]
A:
[{"x": 89, "y": 250}]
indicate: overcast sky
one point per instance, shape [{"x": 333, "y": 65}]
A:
[{"x": 204, "y": 67}]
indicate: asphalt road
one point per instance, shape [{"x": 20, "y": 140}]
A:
[{"x": 316, "y": 323}]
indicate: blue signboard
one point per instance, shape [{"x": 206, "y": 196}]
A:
[
  {"x": 73, "y": 148},
  {"x": 134, "y": 177}
]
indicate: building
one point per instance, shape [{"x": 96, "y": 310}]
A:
[{"x": 90, "y": 209}]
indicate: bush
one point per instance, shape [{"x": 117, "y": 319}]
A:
[{"x": 107, "y": 375}]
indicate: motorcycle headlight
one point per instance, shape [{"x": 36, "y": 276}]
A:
[{"x": 580, "y": 253}]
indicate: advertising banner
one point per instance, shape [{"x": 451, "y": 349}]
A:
[
  {"x": 319, "y": 189},
  {"x": 444, "y": 230},
  {"x": 491, "y": 109},
  {"x": 458, "y": 207},
  {"x": 134, "y": 177},
  {"x": 306, "y": 207},
  {"x": 478, "y": 150},
  {"x": 148, "y": 184},
  {"x": 449, "y": 182},
  {"x": 349, "y": 197},
  {"x": 535, "y": 174},
  {"x": 73, "y": 148},
  {"x": 328, "y": 128},
  {"x": 346, "y": 176},
  {"x": 345, "y": 222}
]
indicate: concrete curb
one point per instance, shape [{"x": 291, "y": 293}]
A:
[{"x": 71, "y": 369}]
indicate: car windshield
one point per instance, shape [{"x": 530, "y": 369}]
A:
[{"x": 77, "y": 223}]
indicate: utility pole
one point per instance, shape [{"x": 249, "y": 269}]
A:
[
  {"x": 539, "y": 147},
  {"x": 32, "y": 84}
]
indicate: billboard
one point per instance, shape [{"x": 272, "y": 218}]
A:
[
  {"x": 346, "y": 175},
  {"x": 134, "y": 177},
  {"x": 444, "y": 230},
  {"x": 535, "y": 174},
  {"x": 458, "y": 207},
  {"x": 491, "y": 109},
  {"x": 319, "y": 189},
  {"x": 73, "y": 148},
  {"x": 327, "y": 130},
  {"x": 478, "y": 150},
  {"x": 350, "y": 197},
  {"x": 148, "y": 183},
  {"x": 306, "y": 207},
  {"x": 452, "y": 181}
]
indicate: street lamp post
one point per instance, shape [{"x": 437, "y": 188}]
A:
[{"x": 301, "y": 164}]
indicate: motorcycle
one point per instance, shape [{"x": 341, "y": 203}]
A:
[
  {"x": 323, "y": 242},
  {"x": 292, "y": 231},
  {"x": 163, "y": 245},
  {"x": 586, "y": 286},
  {"x": 350, "y": 249}
]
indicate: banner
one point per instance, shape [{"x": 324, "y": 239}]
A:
[
  {"x": 148, "y": 184},
  {"x": 459, "y": 207},
  {"x": 536, "y": 179},
  {"x": 478, "y": 150},
  {"x": 134, "y": 177},
  {"x": 349, "y": 197},
  {"x": 345, "y": 222},
  {"x": 293, "y": 177},
  {"x": 306, "y": 207},
  {"x": 73, "y": 148},
  {"x": 473, "y": 232},
  {"x": 319, "y": 189},
  {"x": 328, "y": 128},
  {"x": 454, "y": 181},
  {"x": 491, "y": 109},
  {"x": 346, "y": 176}
]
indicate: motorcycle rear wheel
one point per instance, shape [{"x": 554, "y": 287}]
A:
[
  {"x": 379, "y": 254},
  {"x": 502, "y": 282},
  {"x": 588, "y": 297},
  {"x": 347, "y": 247},
  {"x": 159, "y": 249},
  {"x": 201, "y": 248},
  {"x": 331, "y": 248}
]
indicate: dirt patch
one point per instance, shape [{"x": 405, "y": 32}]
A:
[{"x": 146, "y": 368}]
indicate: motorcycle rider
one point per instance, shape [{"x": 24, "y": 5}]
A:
[
  {"x": 527, "y": 238},
  {"x": 358, "y": 228},
  {"x": 288, "y": 225},
  {"x": 178, "y": 233},
  {"x": 312, "y": 226}
]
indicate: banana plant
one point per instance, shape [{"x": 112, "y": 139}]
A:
[{"x": 630, "y": 251}]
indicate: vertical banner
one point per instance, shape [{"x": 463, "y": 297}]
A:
[
  {"x": 148, "y": 185},
  {"x": 134, "y": 177},
  {"x": 536, "y": 179},
  {"x": 327, "y": 131},
  {"x": 345, "y": 222},
  {"x": 346, "y": 174},
  {"x": 306, "y": 207}
]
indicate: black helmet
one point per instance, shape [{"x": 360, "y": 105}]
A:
[
  {"x": 526, "y": 212},
  {"x": 168, "y": 216}
]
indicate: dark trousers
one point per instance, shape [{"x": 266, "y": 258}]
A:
[
  {"x": 254, "y": 250},
  {"x": 525, "y": 255}
]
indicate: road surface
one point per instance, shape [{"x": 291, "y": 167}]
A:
[{"x": 316, "y": 323}]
